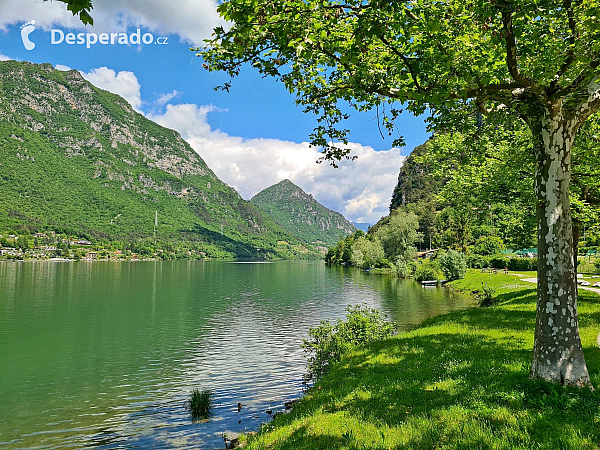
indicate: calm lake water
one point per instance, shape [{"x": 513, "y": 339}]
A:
[{"x": 105, "y": 354}]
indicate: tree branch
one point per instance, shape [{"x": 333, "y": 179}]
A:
[
  {"x": 571, "y": 50},
  {"x": 589, "y": 105},
  {"x": 511, "y": 52},
  {"x": 404, "y": 59},
  {"x": 581, "y": 79}
]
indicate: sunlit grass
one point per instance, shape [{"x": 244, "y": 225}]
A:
[{"x": 458, "y": 381}]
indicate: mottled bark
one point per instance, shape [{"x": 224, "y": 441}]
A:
[
  {"x": 576, "y": 236},
  {"x": 557, "y": 354}
]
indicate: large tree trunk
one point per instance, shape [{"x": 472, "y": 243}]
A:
[
  {"x": 576, "y": 236},
  {"x": 557, "y": 352}
]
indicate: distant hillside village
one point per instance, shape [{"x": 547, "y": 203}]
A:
[{"x": 59, "y": 247}]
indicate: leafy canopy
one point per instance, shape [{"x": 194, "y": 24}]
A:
[
  {"x": 394, "y": 55},
  {"x": 81, "y": 8}
]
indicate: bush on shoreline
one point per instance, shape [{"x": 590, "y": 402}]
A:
[{"x": 327, "y": 343}]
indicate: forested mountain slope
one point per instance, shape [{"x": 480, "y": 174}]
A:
[
  {"x": 302, "y": 215},
  {"x": 79, "y": 160}
]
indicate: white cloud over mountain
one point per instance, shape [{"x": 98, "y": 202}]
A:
[
  {"x": 360, "y": 189},
  {"x": 191, "y": 21},
  {"x": 123, "y": 83}
]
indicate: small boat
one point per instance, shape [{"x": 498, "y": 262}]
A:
[{"x": 429, "y": 283}]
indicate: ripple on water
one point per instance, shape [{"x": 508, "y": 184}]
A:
[{"x": 112, "y": 351}]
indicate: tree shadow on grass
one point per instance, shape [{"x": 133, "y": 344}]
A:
[{"x": 465, "y": 390}]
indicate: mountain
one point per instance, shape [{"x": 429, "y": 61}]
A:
[
  {"x": 79, "y": 160},
  {"x": 415, "y": 182},
  {"x": 364, "y": 226},
  {"x": 303, "y": 216}
]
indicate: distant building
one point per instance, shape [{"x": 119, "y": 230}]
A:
[
  {"x": 81, "y": 242},
  {"x": 427, "y": 254}
]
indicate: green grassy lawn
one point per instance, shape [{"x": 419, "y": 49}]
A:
[{"x": 458, "y": 381}]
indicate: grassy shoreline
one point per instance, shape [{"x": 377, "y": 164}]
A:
[{"x": 458, "y": 381}]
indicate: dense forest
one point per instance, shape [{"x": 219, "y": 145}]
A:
[
  {"x": 471, "y": 192},
  {"x": 302, "y": 215}
]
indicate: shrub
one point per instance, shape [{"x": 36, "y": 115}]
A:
[
  {"x": 522, "y": 264},
  {"x": 327, "y": 343},
  {"x": 404, "y": 269},
  {"x": 488, "y": 245},
  {"x": 427, "y": 270},
  {"x": 199, "y": 404},
  {"x": 499, "y": 262},
  {"x": 453, "y": 265},
  {"x": 477, "y": 261},
  {"x": 487, "y": 296},
  {"x": 383, "y": 264}
]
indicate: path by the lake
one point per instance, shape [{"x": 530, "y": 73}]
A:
[{"x": 534, "y": 280}]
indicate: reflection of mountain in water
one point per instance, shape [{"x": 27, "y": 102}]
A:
[{"x": 113, "y": 349}]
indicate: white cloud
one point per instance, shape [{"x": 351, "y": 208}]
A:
[
  {"x": 4, "y": 57},
  {"x": 360, "y": 189},
  {"x": 123, "y": 83},
  {"x": 166, "y": 98},
  {"x": 62, "y": 67},
  {"x": 192, "y": 21}
]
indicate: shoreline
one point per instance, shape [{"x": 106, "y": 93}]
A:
[{"x": 389, "y": 395}]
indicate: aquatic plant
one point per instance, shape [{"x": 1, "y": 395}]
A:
[{"x": 200, "y": 404}]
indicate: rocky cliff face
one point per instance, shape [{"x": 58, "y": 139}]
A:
[
  {"x": 74, "y": 157},
  {"x": 302, "y": 215}
]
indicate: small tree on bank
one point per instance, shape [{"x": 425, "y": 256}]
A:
[{"x": 536, "y": 60}]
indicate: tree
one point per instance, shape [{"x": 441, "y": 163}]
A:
[
  {"x": 367, "y": 253},
  {"x": 536, "y": 60},
  {"x": 453, "y": 265},
  {"x": 399, "y": 234},
  {"x": 81, "y": 8}
]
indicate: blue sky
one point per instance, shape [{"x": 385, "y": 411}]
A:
[{"x": 258, "y": 116}]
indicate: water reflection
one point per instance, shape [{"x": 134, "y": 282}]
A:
[{"x": 106, "y": 354}]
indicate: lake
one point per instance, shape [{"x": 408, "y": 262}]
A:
[{"x": 106, "y": 353}]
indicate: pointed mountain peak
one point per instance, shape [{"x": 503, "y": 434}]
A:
[{"x": 301, "y": 214}]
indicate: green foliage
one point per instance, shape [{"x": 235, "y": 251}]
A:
[
  {"x": 367, "y": 253},
  {"x": 488, "y": 245},
  {"x": 301, "y": 215},
  {"x": 477, "y": 261},
  {"x": 411, "y": 56},
  {"x": 399, "y": 234},
  {"x": 81, "y": 8},
  {"x": 342, "y": 252},
  {"x": 403, "y": 268},
  {"x": 523, "y": 264},
  {"x": 199, "y": 405},
  {"x": 487, "y": 296},
  {"x": 70, "y": 170},
  {"x": 453, "y": 265},
  {"x": 427, "y": 270},
  {"x": 327, "y": 343},
  {"x": 389, "y": 244}
]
